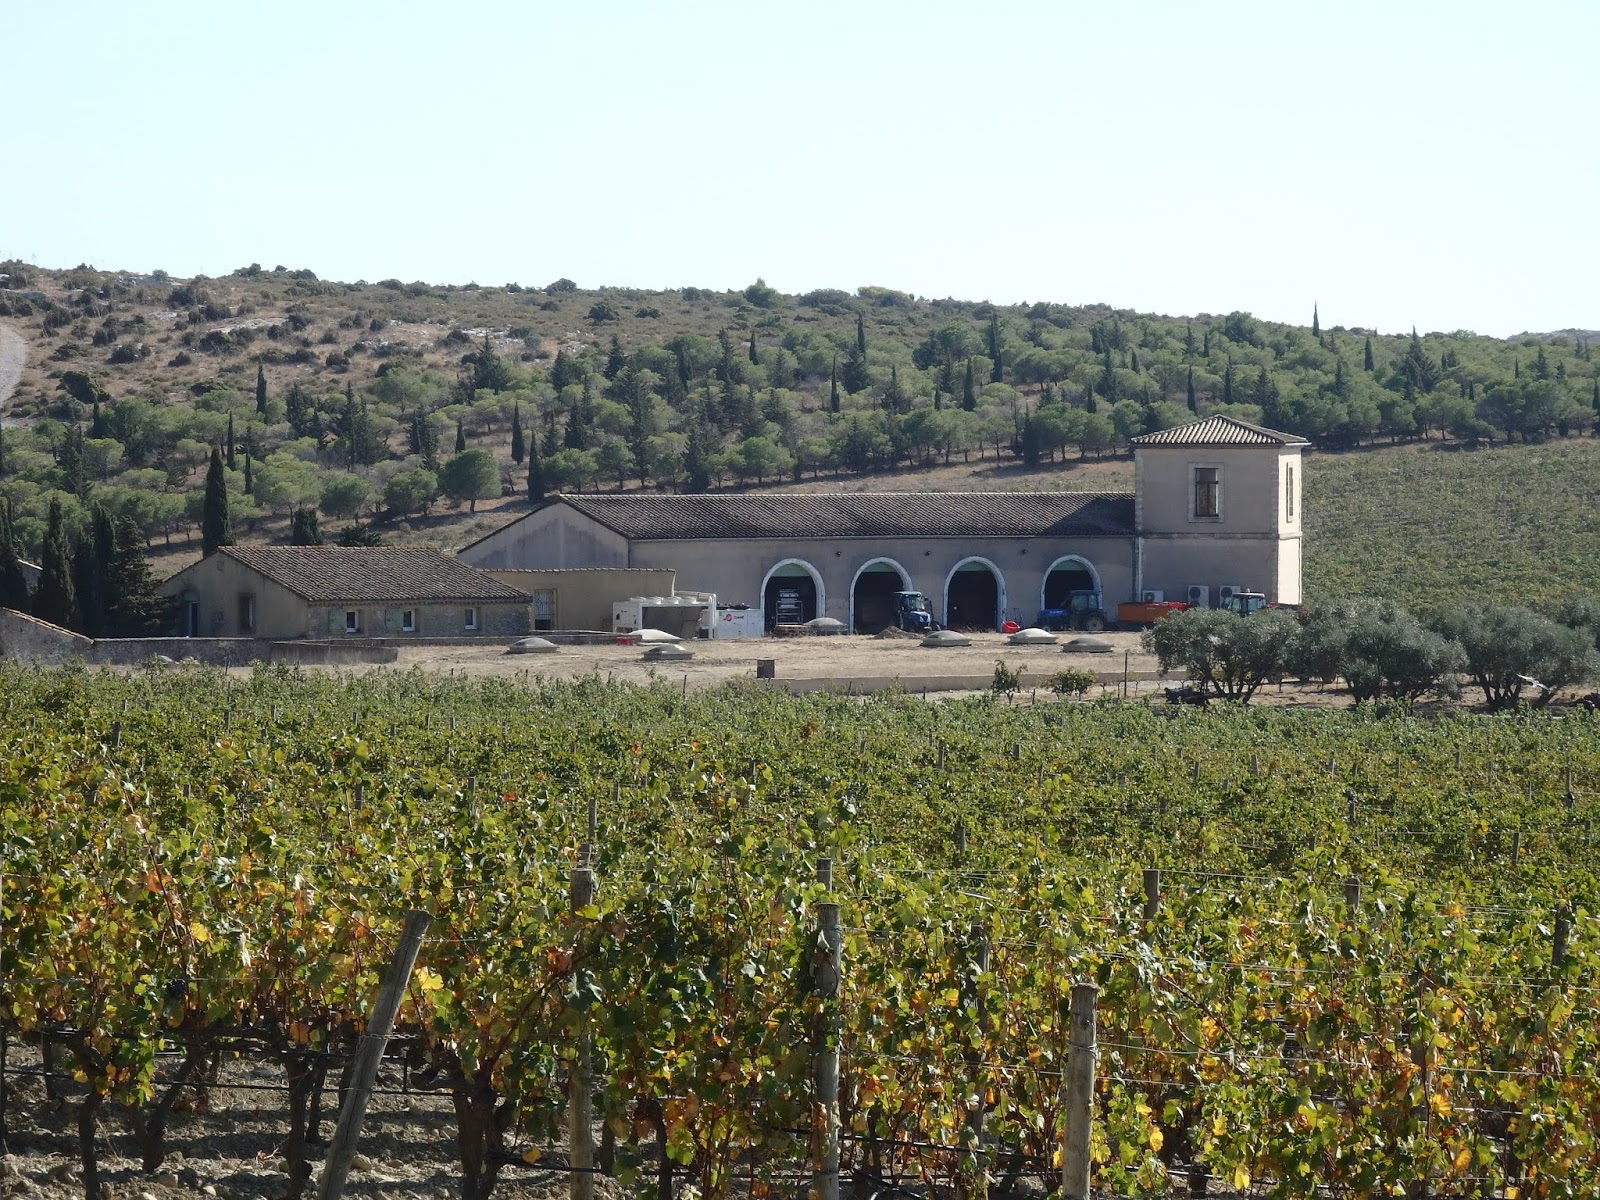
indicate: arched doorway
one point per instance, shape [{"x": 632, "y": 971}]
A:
[
  {"x": 792, "y": 594},
  {"x": 974, "y": 596},
  {"x": 1067, "y": 575},
  {"x": 872, "y": 594}
]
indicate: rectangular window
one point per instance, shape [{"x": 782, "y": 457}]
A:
[
  {"x": 544, "y": 609},
  {"x": 352, "y": 621},
  {"x": 247, "y": 614},
  {"x": 1288, "y": 493},
  {"x": 408, "y": 621},
  {"x": 1207, "y": 491},
  {"x": 472, "y": 618}
]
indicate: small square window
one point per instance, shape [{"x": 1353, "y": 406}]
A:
[
  {"x": 408, "y": 621},
  {"x": 472, "y": 618},
  {"x": 352, "y": 621}
]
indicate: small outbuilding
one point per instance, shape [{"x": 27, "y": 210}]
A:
[{"x": 290, "y": 592}]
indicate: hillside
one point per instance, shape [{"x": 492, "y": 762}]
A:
[{"x": 351, "y": 399}]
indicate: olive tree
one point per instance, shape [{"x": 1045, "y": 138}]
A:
[
  {"x": 1225, "y": 655},
  {"x": 1508, "y": 647},
  {"x": 1380, "y": 649}
]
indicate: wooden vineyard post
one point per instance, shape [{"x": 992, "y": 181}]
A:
[
  {"x": 580, "y": 1125},
  {"x": 1152, "y": 894},
  {"x": 826, "y": 966},
  {"x": 369, "y": 1053},
  {"x": 1081, "y": 1056},
  {"x": 1352, "y": 895},
  {"x": 1558, "y": 937},
  {"x": 972, "y": 1181}
]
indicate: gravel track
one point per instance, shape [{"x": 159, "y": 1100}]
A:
[{"x": 13, "y": 357}]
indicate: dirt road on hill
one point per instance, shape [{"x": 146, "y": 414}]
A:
[{"x": 13, "y": 357}]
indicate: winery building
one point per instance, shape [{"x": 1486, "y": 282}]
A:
[{"x": 1215, "y": 505}]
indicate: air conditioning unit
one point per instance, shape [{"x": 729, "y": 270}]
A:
[
  {"x": 1152, "y": 596},
  {"x": 1199, "y": 596},
  {"x": 1228, "y": 591}
]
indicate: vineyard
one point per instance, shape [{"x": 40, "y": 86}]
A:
[{"x": 1335, "y": 953}]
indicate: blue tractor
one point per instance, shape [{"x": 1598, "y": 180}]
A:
[{"x": 1084, "y": 610}]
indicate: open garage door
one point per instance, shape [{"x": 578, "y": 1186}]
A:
[
  {"x": 790, "y": 597},
  {"x": 1066, "y": 575},
  {"x": 872, "y": 597},
  {"x": 972, "y": 598}
]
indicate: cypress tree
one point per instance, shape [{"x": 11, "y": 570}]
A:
[
  {"x": 1188, "y": 340},
  {"x": 216, "y": 521},
  {"x": 1366, "y": 357},
  {"x": 996, "y": 372},
  {"x": 753, "y": 357},
  {"x": 91, "y": 556},
  {"x": 1194, "y": 406},
  {"x": 725, "y": 359},
  {"x": 1089, "y": 402},
  {"x": 249, "y": 474},
  {"x": 1133, "y": 361},
  {"x": 1596, "y": 403},
  {"x": 855, "y": 377},
  {"x": 232, "y": 465},
  {"x": 304, "y": 528},
  {"x": 519, "y": 448},
  {"x": 55, "y": 599},
  {"x": 895, "y": 399},
  {"x": 1108, "y": 376},
  {"x": 861, "y": 336},
  {"x": 13, "y": 583},
  {"x": 2, "y": 449},
  {"x": 97, "y": 423},
  {"x": 969, "y": 395},
  {"x": 133, "y": 609},
  {"x": 697, "y": 457},
  {"x": 261, "y": 389},
  {"x": 1227, "y": 382},
  {"x": 1206, "y": 347},
  {"x": 461, "y": 436},
  {"x": 833, "y": 385},
  {"x": 536, "y": 484},
  {"x": 1316, "y": 324}
]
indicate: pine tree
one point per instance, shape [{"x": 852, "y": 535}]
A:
[
  {"x": 697, "y": 457},
  {"x": 216, "y": 521},
  {"x": 304, "y": 528},
  {"x": 261, "y": 390},
  {"x": 300, "y": 412},
  {"x": 13, "y": 583},
  {"x": 1316, "y": 324},
  {"x": 1194, "y": 406},
  {"x": 133, "y": 607},
  {"x": 969, "y": 394},
  {"x": 232, "y": 465},
  {"x": 616, "y": 358},
  {"x": 997, "y": 371},
  {"x": 461, "y": 437},
  {"x": 1541, "y": 364},
  {"x": 1341, "y": 388},
  {"x": 519, "y": 448},
  {"x": 55, "y": 600},
  {"x": 536, "y": 483},
  {"x": 833, "y": 385},
  {"x": 1366, "y": 357},
  {"x": 565, "y": 371}
]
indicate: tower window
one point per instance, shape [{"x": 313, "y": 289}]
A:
[{"x": 1207, "y": 493}]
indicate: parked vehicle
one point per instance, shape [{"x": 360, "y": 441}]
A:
[{"x": 911, "y": 613}]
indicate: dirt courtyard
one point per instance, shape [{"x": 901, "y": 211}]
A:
[{"x": 841, "y": 662}]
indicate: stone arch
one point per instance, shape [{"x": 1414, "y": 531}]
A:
[
  {"x": 798, "y": 569},
  {"x": 1069, "y": 565},
  {"x": 962, "y": 609},
  {"x": 878, "y": 611}
]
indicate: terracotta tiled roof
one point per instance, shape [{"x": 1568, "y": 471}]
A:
[
  {"x": 862, "y": 514},
  {"x": 327, "y": 574},
  {"x": 1219, "y": 431}
]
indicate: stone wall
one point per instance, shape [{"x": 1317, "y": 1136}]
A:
[{"x": 30, "y": 640}]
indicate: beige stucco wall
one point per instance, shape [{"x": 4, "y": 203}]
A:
[
  {"x": 1255, "y": 543},
  {"x": 736, "y": 570},
  {"x": 217, "y": 583},
  {"x": 555, "y": 536},
  {"x": 584, "y": 596}
]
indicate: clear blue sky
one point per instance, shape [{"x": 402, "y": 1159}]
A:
[{"x": 1396, "y": 163}]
